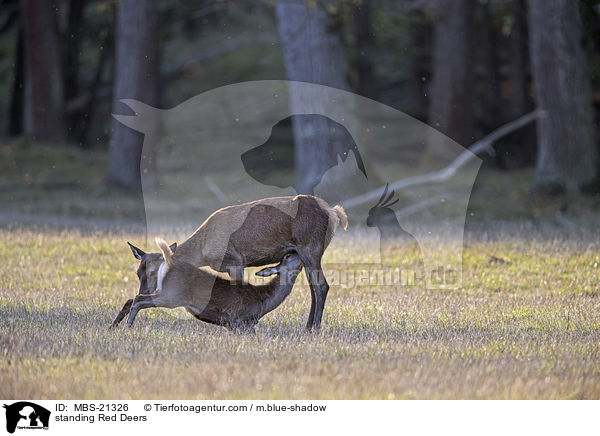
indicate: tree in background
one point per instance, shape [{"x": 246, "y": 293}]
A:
[
  {"x": 567, "y": 151},
  {"x": 419, "y": 62},
  {"x": 71, "y": 65},
  {"x": 15, "y": 110},
  {"x": 72, "y": 50},
  {"x": 313, "y": 53},
  {"x": 364, "y": 48},
  {"x": 136, "y": 76},
  {"x": 451, "y": 89},
  {"x": 519, "y": 148},
  {"x": 43, "y": 97},
  {"x": 520, "y": 99}
]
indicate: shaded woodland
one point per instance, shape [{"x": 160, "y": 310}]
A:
[{"x": 464, "y": 67}]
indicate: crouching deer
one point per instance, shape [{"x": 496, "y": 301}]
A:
[
  {"x": 257, "y": 233},
  {"x": 215, "y": 300}
]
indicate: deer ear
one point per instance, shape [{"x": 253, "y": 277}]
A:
[
  {"x": 173, "y": 246},
  {"x": 268, "y": 271},
  {"x": 137, "y": 253}
]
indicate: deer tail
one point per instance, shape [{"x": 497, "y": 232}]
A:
[
  {"x": 166, "y": 250},
  {"x": 341, "y": 215}
]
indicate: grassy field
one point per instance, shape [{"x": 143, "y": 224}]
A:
[{"x": 526, "y": 324}]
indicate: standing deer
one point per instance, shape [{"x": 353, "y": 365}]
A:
[
  {"x": 253, "y": 234},
  {"x": 210, "y": 298}
]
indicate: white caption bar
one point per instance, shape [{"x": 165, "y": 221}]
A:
[{"x": 23, "y": 417}]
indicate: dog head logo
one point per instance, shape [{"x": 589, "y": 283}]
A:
[
  {"x": 275, "y": 163},
  {"x": 26, "y": 415}
]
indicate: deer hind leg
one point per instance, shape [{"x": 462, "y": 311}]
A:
[
  {"x": 124, "y": 311},
  {"x": 236, "y": 273},
  {"x": 319, "y": 294},
  {"x": 311, "y": 314},
  {"x": 233, "y": 264},
  {"x": 318, "y": 288}
]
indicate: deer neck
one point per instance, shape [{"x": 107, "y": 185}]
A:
[
  {"x": 277, "y": 290},
  {"x": 191, "y": 249}
]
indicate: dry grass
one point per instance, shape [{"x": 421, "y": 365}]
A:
[
  {"x": 524, "y": 326},
  {"x": 526, "y": 323}
]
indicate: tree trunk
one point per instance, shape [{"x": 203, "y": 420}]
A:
[
  {"x": 518, "y": 150},
  {"x": 494, "y": 115},
  {"x": 364, "y": 48},
  {"x": 420, "y": 31},
  {"x": 450, "y": 109},
  {"x": 520, "y": 99},
  {"x": 83, "y": 125},
  {"x": 312, "y": 53},
  {"x": 71, "y": 62},
  {"x": 73, "y": 48},
  {"x": 135, "y": 77},
  {"x": 43, "y": 116},
  {"x": 15, "y": 121},
  {"x": 566, "y": 158}
]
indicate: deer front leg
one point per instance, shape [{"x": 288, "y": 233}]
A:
[
  {"x": 124, "y": 311},
  {"x": 141, "y": 301}
]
